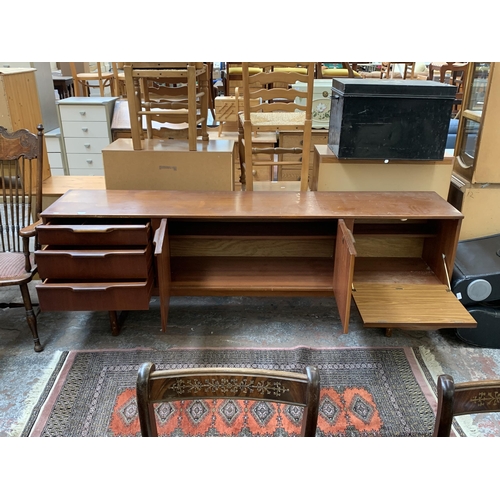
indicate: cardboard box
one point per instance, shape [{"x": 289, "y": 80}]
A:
[{"x": 168, "y": 164}]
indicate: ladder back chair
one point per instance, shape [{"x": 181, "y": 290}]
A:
[
  {"x": 84, "y": 82},
  {"x": 21, "y": 167},
  {"x": 173, "y": 94},
  {"x": 466, "y": 398},
  {"x": 348, "y": 70},
  {"x": 280, "y": 106},
  {"x": 298, "y": 389}
]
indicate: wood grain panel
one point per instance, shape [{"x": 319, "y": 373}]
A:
[
  {"x": 345, "y": 254},
  {"x": 410, "y": 306},
  {"x": 285, "y": 247}
]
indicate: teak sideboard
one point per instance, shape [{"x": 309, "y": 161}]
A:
[{"x": 393, "y": 252}]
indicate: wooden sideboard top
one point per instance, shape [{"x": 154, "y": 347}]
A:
[{"x": 251, "y": 204}]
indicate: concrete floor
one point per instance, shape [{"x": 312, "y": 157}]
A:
[{"x": 209, "y": 322}]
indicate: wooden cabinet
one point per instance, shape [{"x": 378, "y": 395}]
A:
[
  {"x": 20, "y": 105},
  {"x": 86, "y": 130},
  {"x": 475, "y": 183},
  {"x": 391, "y": 252},
  {"x": 294, "y": 140}
]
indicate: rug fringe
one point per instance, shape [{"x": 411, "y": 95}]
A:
[
  {"x": 34, "y": 395},
  {"x": 465, "y": 421}
]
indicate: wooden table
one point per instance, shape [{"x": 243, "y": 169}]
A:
[
  {"x": 330, "y": 173},
  {"x": 64, "y": 85},
  {"x": 391, "y": 252}
]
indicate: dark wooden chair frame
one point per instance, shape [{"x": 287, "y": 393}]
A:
[
  {"x": 21, "y": 167},
  {"x": 154, "y": 386},
  {"x": 466, "y": 398}
]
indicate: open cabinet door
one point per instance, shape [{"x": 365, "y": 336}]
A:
[
  {"x": 343, "y": 270},
  {"x": 162, "y": 255}
]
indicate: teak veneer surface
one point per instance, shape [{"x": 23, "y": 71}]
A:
[{"x": 249, "y": 204}]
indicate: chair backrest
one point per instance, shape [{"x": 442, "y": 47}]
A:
[
  {"x": 21, "y": 167},
  {"x": 276, "y": 90},
  {"x": 299, "y": 389},
  {"x": 465, "y": 398}
]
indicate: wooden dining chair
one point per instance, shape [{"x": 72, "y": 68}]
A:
[
  {"x": 298, "y": 389},
  {"x": 119, "y": 80},
  {"x": 175, "y": 94},
  {"x": 280, "y": 106},
  {"x": 388, "y": 70},
  {"x": 21, "y": 167},
  {"x": 84, "y": 82},
  {"x": 345, "y": 70},
  {"x": 466, "y": 398}
]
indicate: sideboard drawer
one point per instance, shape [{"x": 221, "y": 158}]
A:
[
  {"x": 54, "y": 295},
  {"x": 79, "y": 234},
  {"x": 95, "y": 263}
]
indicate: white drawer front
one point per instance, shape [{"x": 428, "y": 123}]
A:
[
  {"x": 91, "y": 161},
  {"x": 85, "y": 145},
  {"x": 53, "y": 144},
  {"x": 55, "y": 160},
  {"x": 56, "y": 171},
  {"x": 87, "y": 129},
  {"x": 82, "y": 113}
]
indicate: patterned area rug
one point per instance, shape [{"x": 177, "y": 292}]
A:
[{"x": 364, "y": 392}]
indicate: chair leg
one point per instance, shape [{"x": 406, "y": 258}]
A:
[{"x": 30, "y": 316}]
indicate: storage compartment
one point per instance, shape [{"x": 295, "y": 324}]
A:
[
  {"x": 389, "y": 119},
  {"x": 57, "y": 295}
]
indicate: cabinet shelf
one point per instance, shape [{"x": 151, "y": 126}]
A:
[{"x": 254, "y": 276}]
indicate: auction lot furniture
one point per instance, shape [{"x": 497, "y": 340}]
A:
[
  {"x": 475, "y": 186},
  {"x": 21, "y": 166},
  {"x": 288, "y": 388},
  {"x": 466, "y": 398},
  {"x": 330, "y": 173},
  {"x": 86, "y": 130},
  {"x": 392, "y": 252},
  {"x": 170, "y": 164}
]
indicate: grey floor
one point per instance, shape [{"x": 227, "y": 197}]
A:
[{"x": 208, "y": 322}]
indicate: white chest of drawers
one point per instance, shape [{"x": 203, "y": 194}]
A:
[
  {"x": 86, "y": 130},
  {"x": 55, "y": 152}
]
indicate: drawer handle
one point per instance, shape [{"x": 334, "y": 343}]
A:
[
  {"x": 325, "y": 93},
  {"x": 91, "y": 289},
  {"x": 90, "y": 161},
  {"x": 88, "y": 256},
  {"x": 94, "y": 230},
  {"x": 83, "y": 113},
  {"x": 85, "y": 129},
  {"x": 87, "y": 146}
]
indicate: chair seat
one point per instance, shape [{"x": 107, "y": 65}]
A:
[
  {"x": 277, "y": 119},
  {"x": 338, "y": 72},
  {"x": 12, "y": 267},
  {"x": 237, "y": 70},
  {"x": 93, "y": 76}
]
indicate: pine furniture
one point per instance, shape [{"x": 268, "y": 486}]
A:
[{"x": 391, "y": 252}]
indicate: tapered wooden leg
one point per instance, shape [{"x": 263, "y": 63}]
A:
[
  {"x": 113, "y": 319},
  {"x": 388, "y": 332},
  {"x": 30, "y": 316}
]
